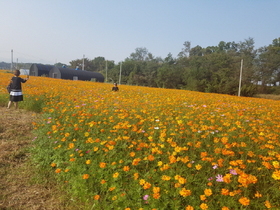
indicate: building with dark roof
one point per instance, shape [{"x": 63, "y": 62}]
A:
[
  {"x": 40, "y": 70},
  {"x": 72, "y": 74}
]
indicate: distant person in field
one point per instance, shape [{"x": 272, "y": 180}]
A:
[
  {"x": 15, "y": 89},
  {"x": 115, "y": 87}
]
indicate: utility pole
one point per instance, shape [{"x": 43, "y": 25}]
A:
[
  {"x": 106, "y": 71},
  {"x": 83, "y": 67},
  {"x": 240, "y": 78},
  {"x": 11, "y": 60},
  {"x": 120, "y": 74}
]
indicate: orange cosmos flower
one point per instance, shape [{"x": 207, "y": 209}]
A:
[
  {"x": 58, "y": 170},
  {"x": 103, "y": 181},
  {"x": 156, "y": 195},
  {"x": 246, "y": 179},
  {"x": 53, "y": 165},
  {"x": 136, "y": 161},
  {"x": 226, "y": 178},
  {"x": 146, "y": 185},
  {"x": 151, "y": 157},
  {"x": 189, "y": 208},
  {"x": 85, "y": 176},
  {"x": 71, "y": 145},
  {"x": 225, "y": 208},
  {"x": 244, "y": 201},
  {"x": 126, "y": 168},
  {"x": 96, "y": 197},
  {"x": 102, "y": 165},
  {"x": 225, "y": 191}
]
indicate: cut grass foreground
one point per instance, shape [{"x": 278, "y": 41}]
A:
[{"x": 21, "y": 186}]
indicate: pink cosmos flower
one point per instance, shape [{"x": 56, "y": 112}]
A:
[{"x": 219, "y": 178}]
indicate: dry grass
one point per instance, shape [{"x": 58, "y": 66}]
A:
[
  {"x": 268, "y": 96},
  {"x": 22, "y": 187}
]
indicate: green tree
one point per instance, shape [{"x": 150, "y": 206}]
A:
[{"x": 269, "y": 64}]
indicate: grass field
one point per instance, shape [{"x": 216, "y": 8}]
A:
[{"x": 148, "y": 148}]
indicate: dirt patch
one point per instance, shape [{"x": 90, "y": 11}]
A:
[{"x": 19, "y": 188}]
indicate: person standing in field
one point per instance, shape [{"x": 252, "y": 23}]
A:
[
  {"x": 16, "y": 91},
  {"x": 115, "y": 87}
]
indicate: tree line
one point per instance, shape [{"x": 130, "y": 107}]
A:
[{"x": 214, "y": 69}]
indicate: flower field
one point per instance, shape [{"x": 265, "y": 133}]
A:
[{"x": 148, "y": 148}]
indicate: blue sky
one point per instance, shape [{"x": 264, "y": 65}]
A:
[{"x": 50, "y": 31}]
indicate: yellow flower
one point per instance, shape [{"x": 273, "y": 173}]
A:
[
  {"x": 276, "y": 175},
  {"x": 115, "y": 175},
  {"x": 258, "y": 195},
  {"x": 275, "y": 164},
  {"x": 203, "y": 206},
  {"x": 156, "y": 189},
  {"x": 184, "y": 192},
  {"x": 88, "y": 162},
  {"x": 182, "y": 180},
  {"x": 208, "y": 192},
  {"x": 198, "y": 167},
  {"x": 267, "y": 204},
  {"x": 142, "y": 181},
  {"x": 202, "y": 197},
  {"x": 112, "y": 188},
  {"x": 165, "y": 178},
  {"x": 136, "y": 176}
]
